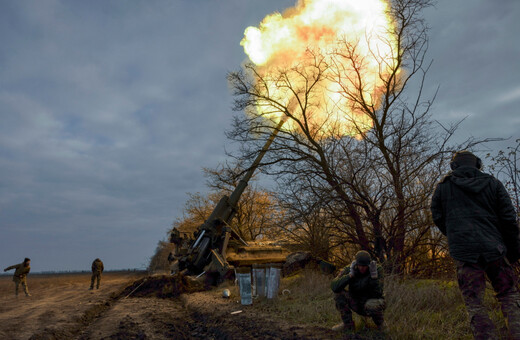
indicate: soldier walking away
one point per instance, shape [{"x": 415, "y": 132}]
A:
[
  {"x": 20, "y": 275},
  {"x": 97, "y": 269},
  {"x": 474, "y": 210},
  {"x": 364, "y": 279}
]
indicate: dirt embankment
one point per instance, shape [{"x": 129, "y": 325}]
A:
[{"x": 155, "y": 309}]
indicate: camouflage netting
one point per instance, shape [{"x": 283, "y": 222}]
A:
[{"x": 162, "y": 286}]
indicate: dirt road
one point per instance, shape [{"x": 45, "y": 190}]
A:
[
  {"x": 59, "y": 304},
  {"x": 62, "y": 307}
]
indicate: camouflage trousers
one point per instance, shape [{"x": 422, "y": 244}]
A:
[
  {"x": 472, "y": 284},
  {"x": 23, "y": 282},
  {"x": 345, "y": 304},
  {"x": 95, "y": 276}
]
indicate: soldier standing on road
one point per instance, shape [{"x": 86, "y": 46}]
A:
[
  {"x": 20, "y": 275},
  {"x": 365, "y": 295},
  {"x": 474, "y": 210},
  {"x": 97, "y": 269}
]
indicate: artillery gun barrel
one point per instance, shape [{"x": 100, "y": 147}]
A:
[
  {"x": 213, "y": 235},
  {"x": 242, "y": 184}
]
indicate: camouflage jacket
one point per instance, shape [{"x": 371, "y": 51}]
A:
[
  {"x": 21, "y": 271},
  {"x": 361, "y": 287},
  {"x": 97, "y": 266},
  {"x": 474, "y": 210}
]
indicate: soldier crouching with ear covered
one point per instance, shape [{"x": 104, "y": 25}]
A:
[{"x": 364, "y": 279}]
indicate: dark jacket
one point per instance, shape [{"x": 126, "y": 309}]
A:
[
  {"x": 97, "y": 266},
  {"x": 474, "y": 211},
  {"x": 361, "y": 287}
]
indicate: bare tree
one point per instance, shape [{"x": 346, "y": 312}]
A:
[
  {"x": 159, "y": 260},
  {"x": 256, "y": 216},
  {"x": 376, "y": 187},
  {"x": 196, "y": 209},
  {"x": 505, "y": 165}
]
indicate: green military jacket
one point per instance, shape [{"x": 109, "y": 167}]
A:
[
  {"x": 361, "y": 287},
  {"x": 97, "y": 266},
  {"x": 21, "y": 271}
]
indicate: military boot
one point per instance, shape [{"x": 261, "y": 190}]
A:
[
  {"x": 511, "y": 310},
  {"x": 344, "y": 327},
  {"x": 379, "y": 322}
]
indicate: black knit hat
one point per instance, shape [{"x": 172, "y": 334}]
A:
[
  {"x": 363, "y": 258},
  {"x": 465, "y": 158}
]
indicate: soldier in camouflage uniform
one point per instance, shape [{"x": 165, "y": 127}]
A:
[
  {"x": 474, "y": 211},
  {"x": 97, "y": 269},
  {"x": 365, "y": 294},
  {"x": 20, "y": 275}
]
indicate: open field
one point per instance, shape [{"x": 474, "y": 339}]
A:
[
  {"x": 58, "y": 302},
  {"x": 62, "y": 307}
]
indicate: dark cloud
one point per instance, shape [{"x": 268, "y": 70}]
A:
[
  {"x": 109, "y": 110},
  {"x": 476, "y": 65}
]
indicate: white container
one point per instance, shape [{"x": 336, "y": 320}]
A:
[
  {"x": 244, "y": 284},
  {"x": 259, "y": 281},
  {"x": 273, "y": 281}
]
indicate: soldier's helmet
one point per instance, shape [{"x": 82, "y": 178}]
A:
[{"x": 363, "y": 258}]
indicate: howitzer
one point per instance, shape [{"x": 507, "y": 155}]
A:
[{"x": 208, "y": 251}]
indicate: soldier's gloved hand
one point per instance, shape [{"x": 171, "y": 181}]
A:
[
  {"x": 352, "y": 267},
  {"x": 373, "y": 269},
  {"x": 343, "y": 272}
]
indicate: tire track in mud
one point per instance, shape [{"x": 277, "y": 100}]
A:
[
  {"x": 165, "y": 285},
  {"x": 82, "y": 322},
  {"x": 58, "y": 304},
  {"x": 155, "y": 318}
]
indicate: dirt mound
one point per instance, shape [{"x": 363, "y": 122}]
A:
[{"x": 162, "y": 286}]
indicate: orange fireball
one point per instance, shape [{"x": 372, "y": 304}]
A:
[{"x": 345, "y": 46}]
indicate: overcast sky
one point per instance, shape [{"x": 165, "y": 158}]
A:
[{"x": 110, "y": 109}]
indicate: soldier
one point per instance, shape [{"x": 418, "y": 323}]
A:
[
  {"x": 171, "y": 258},
  {"x": 474, "y": 211},
  {"x": 365, "y": 295},
  {"x": 20, "y": 275},
  {"x": 97, "y": 269}
]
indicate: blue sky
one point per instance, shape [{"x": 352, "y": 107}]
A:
[{"x": 110, "y": 109}]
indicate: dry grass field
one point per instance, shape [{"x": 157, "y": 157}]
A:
[{"x": 62, "y": 307}]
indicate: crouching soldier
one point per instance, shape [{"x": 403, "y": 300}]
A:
[
  {"x": 97, "y": 269},
  {"x": 365, "y": 294},
  {"x": 20, "y": 275}
]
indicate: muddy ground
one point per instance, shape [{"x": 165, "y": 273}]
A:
[{"x": 62, "y": 307}]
